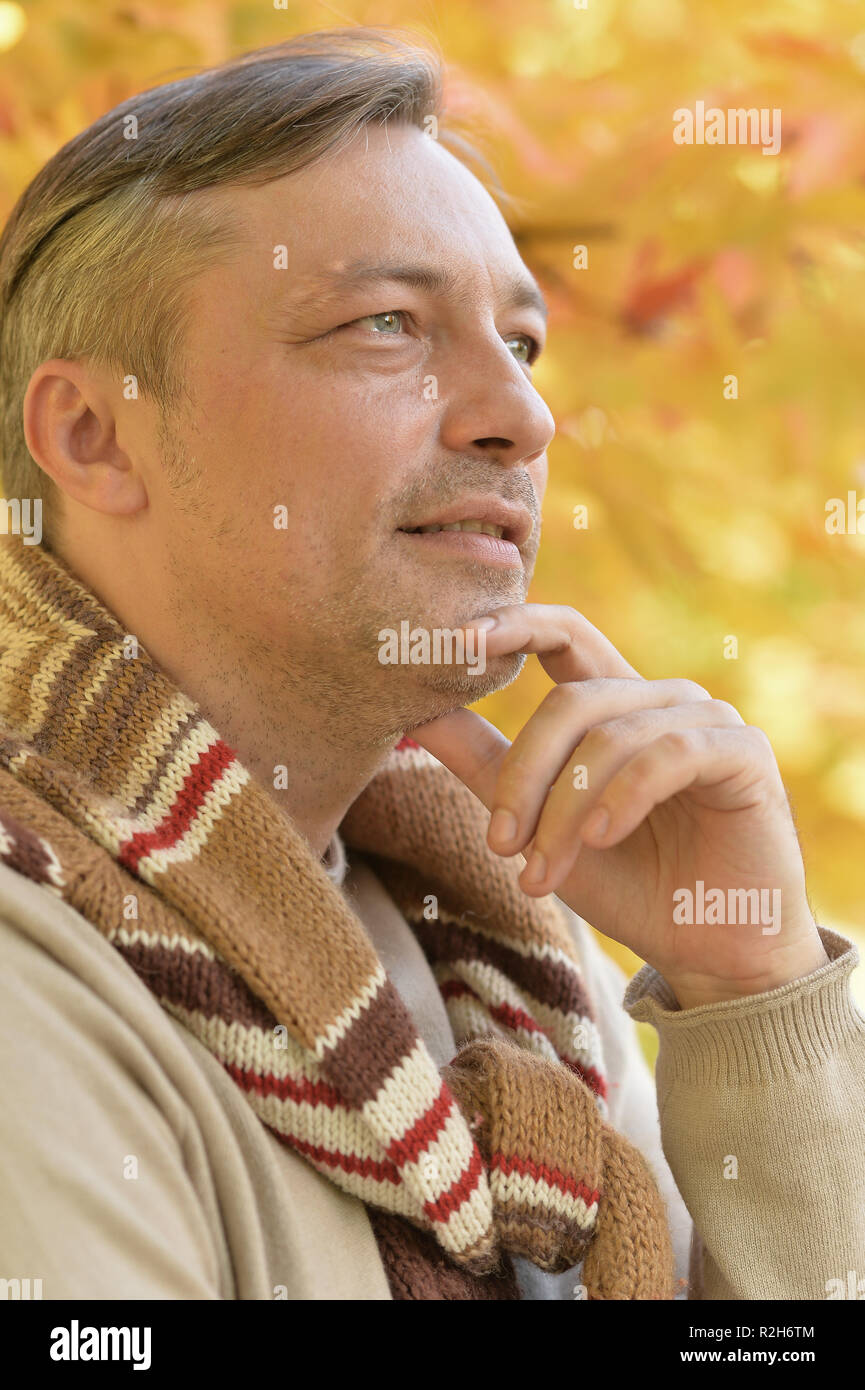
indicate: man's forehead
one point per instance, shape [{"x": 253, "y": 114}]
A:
[{"x": 444, "y": 236}]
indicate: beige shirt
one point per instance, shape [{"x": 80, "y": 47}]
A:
[{"x": 133, "y": 1167}]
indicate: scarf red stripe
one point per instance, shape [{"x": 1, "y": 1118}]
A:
[{"x": 199, "y": 781}]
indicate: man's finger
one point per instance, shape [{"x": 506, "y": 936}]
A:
[
  {"x": 469, "y": 745},
  {"x": 568, "y": 646}
]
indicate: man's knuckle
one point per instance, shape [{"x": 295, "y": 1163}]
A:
[
  {"x": 760, "y": 739},
  {"x": 636, "y": 773},
  {"x": 692, "y": 691},
  {"x": 727, "y": 712},
  {"x": 678, "y": 742},
  {"x": 570, "y": 617},
  {"x": 600, "y": 738},
  {"x": 567, "y": 696}
]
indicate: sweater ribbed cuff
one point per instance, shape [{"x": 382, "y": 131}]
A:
[{"x": 760, "y": 1037}]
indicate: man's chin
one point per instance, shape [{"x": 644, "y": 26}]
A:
[
  {"x": 427, "y": 692},
  {"x": 458, "y": 685}
]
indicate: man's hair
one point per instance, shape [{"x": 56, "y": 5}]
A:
[{"x": 97, "y": 252}]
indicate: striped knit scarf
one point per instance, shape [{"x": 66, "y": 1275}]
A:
[{"x": 117, "y": 795}]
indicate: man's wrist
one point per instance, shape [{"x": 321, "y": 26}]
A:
[{"x": 697, "y": 991}]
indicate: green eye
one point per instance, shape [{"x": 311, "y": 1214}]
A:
[
  {"x": 393, "y": 318},
  {"x": 390, "y": 322},
  {"x": 527, "y": 343}
]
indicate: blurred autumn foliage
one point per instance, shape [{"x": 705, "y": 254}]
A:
[{"x": 705, "y": 514}]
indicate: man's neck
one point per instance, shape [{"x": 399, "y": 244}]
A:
[
  {"x": 312, "y": 764},
  {"x": 311, "y": 778}
]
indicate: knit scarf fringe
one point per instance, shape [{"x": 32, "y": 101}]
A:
[{"x": 117, "y": 795}]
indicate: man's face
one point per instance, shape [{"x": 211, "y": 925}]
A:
[{"x": 362, "y": 409}]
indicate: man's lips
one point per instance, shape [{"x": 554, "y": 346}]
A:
[
  {"x": 471, "y": 545},
  {"x": 515, "y": 522}
]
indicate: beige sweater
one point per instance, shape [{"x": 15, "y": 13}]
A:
[{"x": 133, "y": 1168}]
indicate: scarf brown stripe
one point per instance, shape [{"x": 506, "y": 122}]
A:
[
  {"x": 548, "y": 980},
  {"x": 195, "y": 983}
]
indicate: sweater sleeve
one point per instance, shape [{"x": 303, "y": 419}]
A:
[
  {"x": 762, "y": 1110},
  {"x": 97, "y": 1175}
]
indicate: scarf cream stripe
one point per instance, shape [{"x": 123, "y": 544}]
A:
[
  {"x": 494, "y": 986},
  {"x": 41, "y": 689},
  {"x": 469, "y": 1019},
  {"x": 437, "y": 1167},
  {"x": 52, "y": 663},
  {"x": 188, "y": 848},
  {"x": 318, "y": 1125},
  {"x": 562, "y": 1026},
  {"x": 404, "y": 1099},
  {"x": 123, "y": 936},
  {"x": 470, "y": 1227},
  {"x": 142, "y": 770},
  {"x": 425, "y": 1082},
  {"x": 340, "y": 1026},
  {"x": 241, "y": 1044},
  {"x": 530, "y": 950},
  {"x": 77, "y": 716},
  {"x": 199, "y": 738},
  {"x": 116, "y": 831},
  {"x": 516, "y": 1189}
]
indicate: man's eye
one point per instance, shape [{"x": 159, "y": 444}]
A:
[
  {"x": 531, "y": 346},
  {"x": 389, "y": 323},
  {"x": 391, "y": 320}
]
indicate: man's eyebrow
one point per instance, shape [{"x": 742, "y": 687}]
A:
[{"x": 520, "y": 291}]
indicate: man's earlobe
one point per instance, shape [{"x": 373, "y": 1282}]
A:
[{"x": 70, "y": 420}]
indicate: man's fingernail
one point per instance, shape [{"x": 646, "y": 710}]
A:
[
  {"x": 503, "y": 825},
  {"x": 485, "y": 624},
  {"x": 536, "y": 869}
]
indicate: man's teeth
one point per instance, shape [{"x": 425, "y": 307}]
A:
[{"x": 485, "y": 526}]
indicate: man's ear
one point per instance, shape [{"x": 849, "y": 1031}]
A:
[{"x": 70, "y": 428}]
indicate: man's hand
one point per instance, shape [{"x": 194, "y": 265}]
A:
[{"x": 622, "y": 792}]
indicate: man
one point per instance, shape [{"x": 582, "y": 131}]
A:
[{"x": 290, "y": 1015}]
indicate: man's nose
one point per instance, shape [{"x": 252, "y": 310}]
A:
[{"x": 493, "y": 408}]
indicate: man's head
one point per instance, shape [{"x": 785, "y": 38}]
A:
[{"x": 293, "y": 327}]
